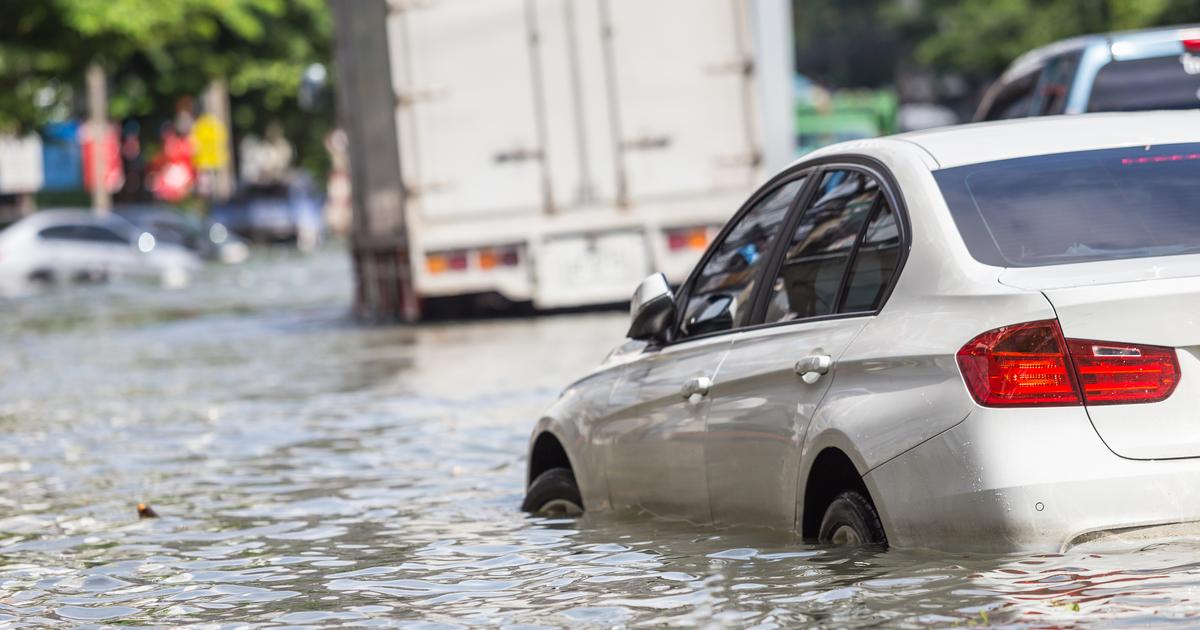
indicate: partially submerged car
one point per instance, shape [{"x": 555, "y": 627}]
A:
[
  {"x": 1143, "y": 70},
  {"x": 971, "y": 337},
  {"x": 208, "y": 239},
  {"x": 75, "y": 246}
]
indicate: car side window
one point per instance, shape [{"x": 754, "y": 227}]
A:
[
  {"x": 98, "y": 234},
  {"x": 809, "y": 280},
  {"x": 59, "y": 233},
  {"x": 875, "y": 261},
  {"x": 1055, "y": 84},
  {"x": 720, "y": 294},
  {"x": 1014, "y": 99}
]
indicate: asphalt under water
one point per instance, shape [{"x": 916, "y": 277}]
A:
[{"x": 311, "y": 471}]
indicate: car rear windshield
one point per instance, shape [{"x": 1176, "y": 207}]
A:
[
  {"x": 1076, "y": 207},
  {"x": 1142, "y": 84}
]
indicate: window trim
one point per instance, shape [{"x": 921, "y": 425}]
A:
[{"x": 814, "y": 170}]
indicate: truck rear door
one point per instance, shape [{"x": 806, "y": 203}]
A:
[
  {"x": 467, "y": 113},
  {"x": 682, "y": 96}
]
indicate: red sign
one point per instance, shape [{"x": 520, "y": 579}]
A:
[{"x": 110, "y": 154}]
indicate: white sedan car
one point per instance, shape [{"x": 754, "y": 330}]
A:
[
  {"x": 57, "y": 246},
  {"x": 984, "y": 336}
]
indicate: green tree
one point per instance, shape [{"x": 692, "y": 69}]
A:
[
  {"x": 156, "y": 51},
  {"x": 983, "y": 36}
]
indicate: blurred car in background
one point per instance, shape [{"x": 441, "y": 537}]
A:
[
  {"x": 275, "y": 213},
  {"x": 75, "y": 246},
  {"x": 206, "y": 238},
  {"x": 1126, "y": 71}
]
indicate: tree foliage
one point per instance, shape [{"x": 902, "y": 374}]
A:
[
  {"x": 861, "y": 43},
  {"x": 155, "y": 51},
  {"x": 982, "y": 36}
]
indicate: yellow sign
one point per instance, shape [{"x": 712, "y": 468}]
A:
[{"x": 211, "y": 141}]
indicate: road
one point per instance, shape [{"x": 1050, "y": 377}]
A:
[{"x": 310, "y": 470}]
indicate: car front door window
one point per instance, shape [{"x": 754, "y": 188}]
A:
[{"x": 719, "y": 298}]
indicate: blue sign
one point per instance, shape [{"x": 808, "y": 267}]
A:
[{"x": 62, "y": 163}]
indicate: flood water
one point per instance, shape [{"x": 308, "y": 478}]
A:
[{"x": 310, "y": 471}]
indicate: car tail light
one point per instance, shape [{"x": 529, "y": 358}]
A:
[
  {"x": 1113, "y": 373},
  {"x": 1191, "y": 44},
  {"x": 1032, "y": 364},
  {"x": 687, "y": 238}
]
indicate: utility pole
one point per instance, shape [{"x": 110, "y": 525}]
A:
[
  {"x": 367, "y": 109},
  {"x": 98, "y": 132}
]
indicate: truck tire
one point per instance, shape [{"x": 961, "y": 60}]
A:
[
  {"x": 852, "y": 521},
  {"x": 554, "y": 493}
]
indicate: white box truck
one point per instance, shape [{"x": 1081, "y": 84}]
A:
[{"x": 555, "y": 152}]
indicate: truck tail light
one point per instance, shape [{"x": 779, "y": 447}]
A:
[
  {"x": 1033, "y": 365},
  {"x": 442, "y": 262},
  {"x": 493, "y": 257}
]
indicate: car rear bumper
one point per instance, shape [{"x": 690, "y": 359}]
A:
[{"x": 1030, "y": 480}]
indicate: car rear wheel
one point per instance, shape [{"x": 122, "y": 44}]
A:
[
  {"x": 851, "y": 521},
  {"x": 554, "y": 493}
]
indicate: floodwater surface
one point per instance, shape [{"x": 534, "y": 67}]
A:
[{"x": 307, "y": 470}]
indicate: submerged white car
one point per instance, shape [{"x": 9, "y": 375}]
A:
[
  {"x": 984, "y": 337},
  {"x": 65, "y": 246}
]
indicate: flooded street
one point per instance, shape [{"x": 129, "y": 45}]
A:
[{"x": 311, "y": 471}]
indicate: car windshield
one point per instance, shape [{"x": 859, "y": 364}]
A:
[{"x": 1076, "y": 207}]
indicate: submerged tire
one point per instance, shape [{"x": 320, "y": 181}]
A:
[
  {"x": 554, "y": 493},
  {"x": 852, "y": 521}
]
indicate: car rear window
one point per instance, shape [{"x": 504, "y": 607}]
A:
[
  {"x": 1076, "y": 207},
  {"x": 1142, "y": 84}
]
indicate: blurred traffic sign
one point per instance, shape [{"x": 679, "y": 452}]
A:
[
  {"x": 212, "y": 143},
  {"x": 62, "y": 164},
  {"x": 109, "y": 154}
]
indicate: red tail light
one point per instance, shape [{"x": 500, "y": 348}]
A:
[
  {"x": 1019, "y": 365},
  {"x": 1114, "y": 373},
  {"x": 1191, "y": 45},
  {"x": 1029, "y": 365}
]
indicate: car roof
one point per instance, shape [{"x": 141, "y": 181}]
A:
[
  {"x": 974, "y": 143},
  {"x": 72, "y": 216},
  {"x": 1147, "y": 42}
]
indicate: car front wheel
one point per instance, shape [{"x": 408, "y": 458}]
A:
[
  {"x": 852, "y": 521},
  {"x": 554, "y": 493}
]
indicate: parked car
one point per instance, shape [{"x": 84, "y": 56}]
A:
[
  {"x": 57, "y": 246},
  {"x": 206, "y": 238},
  {"x": 1128, "y": 71},
  {"x": 275, "y": 213},
  {"x": 980, "y": 336}
]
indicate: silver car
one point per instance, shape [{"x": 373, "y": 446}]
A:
[
  {"x": 1143, "y": 70},
  {"x": 984, "y": 337}
]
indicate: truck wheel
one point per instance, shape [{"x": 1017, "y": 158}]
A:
[
  {"x": 851, "y": 521},
  {"x": 554, "y": 493}
]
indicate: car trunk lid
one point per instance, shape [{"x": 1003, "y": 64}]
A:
[{"x": 1153, "y": 302}]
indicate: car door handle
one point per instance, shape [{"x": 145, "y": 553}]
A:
[
  {"x": 698, "y": 386},
  {"x": 814, "y": 365}
]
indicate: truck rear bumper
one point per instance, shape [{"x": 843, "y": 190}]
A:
[{"x": 576, "y": 258}]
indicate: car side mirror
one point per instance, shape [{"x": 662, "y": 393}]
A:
[{"x": 652, "y": 310}]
